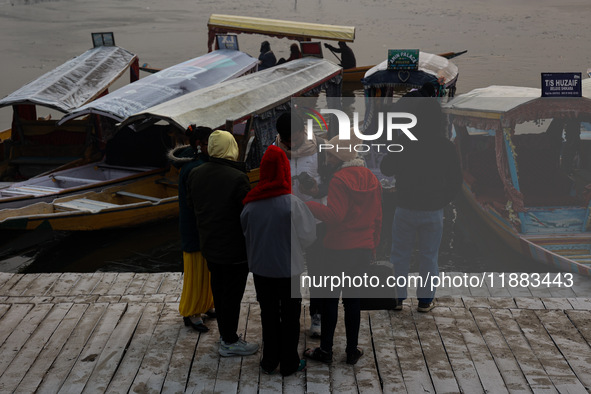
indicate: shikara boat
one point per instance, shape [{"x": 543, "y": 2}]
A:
[
  {"x": 121, "y": 162},
  {"x": 35, "y": 143},
  {"x": 219, "y": 24},
  {"x": 526, "y": 161},
  {"x": 247, "y": 106}
]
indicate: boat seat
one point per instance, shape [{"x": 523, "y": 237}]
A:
[
  {"x": 77, "y": 180},
  {"x": 138, "y": 196},
  {"x": 85, "y": 204},
  {"x": 30, "y": 190}
]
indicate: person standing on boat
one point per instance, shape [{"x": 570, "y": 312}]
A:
[
  {"x": 196, "y": 297},
  {"x": 353, "y": 217},
  {"x": 310, "y": 183},
  {"x": 428, "y": 177},
  {"x": 277, "y": 226},
  {"x": 347, "y": 55},
  {"x": 267, "y": 58},
  {"x": 215, "y": 191}
]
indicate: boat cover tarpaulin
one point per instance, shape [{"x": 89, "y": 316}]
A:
[
  {"x": 432, "y": 68},
  {"x": 492, "y": 100},
  {"x": 236, "y": 99},
  {"x": 76, "y": 82},
  {"x": 175, "y": 81},
  {"x": 301, "y": 31}
]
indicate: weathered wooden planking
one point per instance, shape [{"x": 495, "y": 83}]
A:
[
  {"x": 136, "y": 284},
  {"x": 295, "y": 384},
  {"x": 528, "y": 363},
  {"x": 570, "y": 343},
  {"x": 440, "y": 369},
  {"x": 556, "y": 303},
  {"x": 457, "y": 352},
  {"x": 152, "y": 284},
  {"x": 229, "y": 367},
  {"x": 476, "y": 302},
  {"x": 19, "y": 366},
  {"x": 22, "y": 285},
  {"x": 385, "y": 352},
  {"x": 3, "y": 309},
  {"x": 502, "y": 355},
  {"x": 42, "y": 284},
  {"x": 64, "y": 284},
  {"x": 580, "y": 303},
  {"x": 51, "y": 350},
  {"x": 250, "y": 372},
  {"x": 68, "y": 355},
  {"x": 120, "y": 284},
  {"x": 86, "y": 284},
  {"x": 501, "y": 302},
  {"x": 4, "y": 277},
  {"x": 414, "y": 370},
  {"x": 529, "y": 303},
  {"x": 451, "y": 302},
  {"x": 366, "y": 372},
  {"x": 493, "y": 284},
  {"x": 180, "y": 362},
  {"x": 21, "y": 334},
  {"x": 342, "y": 375},
  {"x": 10, "y": 282},
  {"x": 150, "y": 377},
  {"x": 318, "y": 374},
  {"x": 582, "y": 320},
  {"x": 105, "y": 282},
  {"x": 110, "y": 357},
  {"x": 81, "y": 371},
  {"x": 554, "y": 363},
  {"x": 11, "y": 319},
  {"x": 490, "y": 377},
  {"x": 171, "y": 283},
  {"x": 205, "y": 362}
]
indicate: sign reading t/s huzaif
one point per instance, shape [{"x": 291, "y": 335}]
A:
[{"x": 561, "y": 85}]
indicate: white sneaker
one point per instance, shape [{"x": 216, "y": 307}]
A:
[
  {"x": 315, "y": 326},
  {"x": 238, "y": 348}
]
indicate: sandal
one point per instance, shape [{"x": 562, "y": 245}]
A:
[{"x": 319, "y": 355}]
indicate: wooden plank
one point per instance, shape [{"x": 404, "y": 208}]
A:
[
  {"x": 64, "y": 284},
  {"x": 229, "y": 367},
  {"x": 42, "y": 284},
  {"x": 22, "y": 332},
  {"x": 86, "y": 284},
  {"x": 581, "y": 286},
  {"x": 451, "y": 302},
  {"x": 13, "y": 280},
  {"x": 366, "y": 372},
  {"x": 61, "y": 367},
  {"x": 529, "y": 303},
  {"x": 490, "y": 377},
  {"x": 553, "y": 362},
  {"x": 457, "y": 352},
  {"x": 87, "y": 361},
  {"x": 3, "y": 309},
  {"x": 476, "y": 302},
  {"x": 493, "y": 284},
  {"x": 22, "y": 285},
  {"x": 501, "y": 302},
  {"x": 440, "y": 369},
  {"x": 172, "y": 283},
  {"x": 569, "y": 341},
  {"x": 105, "y": 282},
  {"x": 557, "y": 303},
  {"x": 295, "y": 383},
  {"x": 205, "y": 362},
  {"x": 11, "y": 319},
  {"x": 385, "y": 352},
  {"x": 153, "y": 283},
  {"x": 502, "y": 355},
  {"x": 150, "y": 377},
  {"x": 414, "y": 370},
  {"x": 581, "y": 320},
  {"x": 529, "y": 364},
  {"x": 182, "y": 358},
  {"x": 580, "y": 303},
  {"x": 51, "y": 350},
  {"x": 120, "y": 284},
  {"x": 318, "y": 374},
  {"x": 4, "y": 278},
  {"x": 136, "y": 284},
  {"x": 22, "y": 361},
  {"x": 343, "y": 377},
  {"x": 112, "y": 353},
  {"x": 250, "y": 371}
]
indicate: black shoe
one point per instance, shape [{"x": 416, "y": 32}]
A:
[
  {"x": 354, "y": 357},
  {"x": 318, "y": 355},
  {"x": 197, "y": 326},
  {"x": 211, "y": 314}
]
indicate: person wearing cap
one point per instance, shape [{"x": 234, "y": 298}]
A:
[
  {"x": 353, "y": 217},
  {"x": 267, "y": 58},
  {"x": 277, "y": 226},
  {"x": 196, "y": 298},
  {"x": 215, "y": 191}
]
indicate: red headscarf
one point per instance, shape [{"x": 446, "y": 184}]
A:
[{"x": 275, "y": 176}]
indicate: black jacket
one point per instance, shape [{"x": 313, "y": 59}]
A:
[{"x": 215, "y": 192}]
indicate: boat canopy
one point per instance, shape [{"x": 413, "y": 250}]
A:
[
  {"x": 173, "y": 82},
  {"x": 432, "y": 68},
  {"x": 76, "y": 82},
  {"x": 234, "y": 100},
  {"x": 586, "y": 87},
  {"x": 300, "y": 31}
]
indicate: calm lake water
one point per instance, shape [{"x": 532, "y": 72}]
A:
[{"x": 509, "y": 42}]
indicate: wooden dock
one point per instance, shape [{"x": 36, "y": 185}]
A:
[{"x": 121, "y": 333}]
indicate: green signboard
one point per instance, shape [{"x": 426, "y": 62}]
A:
[{"x": 403, "y": 59}]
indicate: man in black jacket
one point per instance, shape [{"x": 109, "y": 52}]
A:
[
  {"x": 428, "y": 177},
  {"x": 215, "y": 191}
]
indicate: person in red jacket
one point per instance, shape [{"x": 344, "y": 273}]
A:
[{"x": 353, "y": 217}]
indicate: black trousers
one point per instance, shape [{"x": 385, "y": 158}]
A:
[
  {"x": 315, "y": 256},
  {"x": 228, "y": 282},
  {"x": 280, "y": 318}
]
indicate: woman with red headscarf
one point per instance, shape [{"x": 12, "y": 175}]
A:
[{"x": 277, "y": 226}]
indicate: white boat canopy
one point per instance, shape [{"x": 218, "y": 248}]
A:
[
  {"x": 492, "y": 100},
  {"x": 76, "y": 82},
  {"x": 252, "y": 94},
  {"x": 173, "y": 82},
  {"x": 300, "y": 31}
]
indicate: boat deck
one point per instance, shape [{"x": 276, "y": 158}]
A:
[{"x": 121, "y": 332}]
